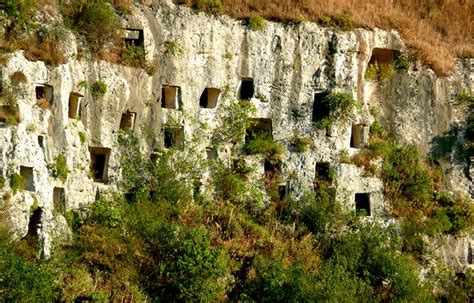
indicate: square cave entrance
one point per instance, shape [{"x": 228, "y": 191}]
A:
[
  {"x": 322, "y": 171},
  {"x": 362, "y": 204},
  {"x": 173, "y": 137},
  {"x": 320, "y": 108},
  {"x": 44, "y": 94},
  {"x": 246, "y": 89},
  {"x": 209, "y": 97},
  {"x": 99, "y": 163},
  {"x": 383, "y": 56},
  {"x": 27, "y": 173},
  {"x": 259, "y": 128},
  {"x": 134, "y": 37},
  {"x": 127, "y": 122},
  {"x": 170, "y": 96},
  {"x": 74, "y": 105}
]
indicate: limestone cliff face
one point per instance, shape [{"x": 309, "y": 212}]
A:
[{"x": 288, "y": 65}]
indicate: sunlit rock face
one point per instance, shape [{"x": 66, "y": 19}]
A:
[{"x": 204, "y": 63}]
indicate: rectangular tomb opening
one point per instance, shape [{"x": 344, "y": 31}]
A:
[
  {"x": 44, "y": 95},
  {"x": 246, "y": 89},
  {"x": 362, "y": 204},
  {"x": 259, "y": 128},
  {"x": 170, "y": 97},
  {"x": 127, "y": 122},
  {"x": 99, "y": 163},
  {"x": 173, "y": 137},
  {"x": 320, "y": 108},
  {"x": 74, "y": 105},
  {"x": 27, "y": 174},
  {"x": 209, "y": 97}
]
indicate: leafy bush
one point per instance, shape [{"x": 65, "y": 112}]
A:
[
  {"x": 23, "y": 280},
  {"x": 134, "y": 55},
  {"x": 342, "y": 21},
  {"x": 257, "y": 22},
  {"x": 106, "y": 213},
  {"x": 17, "y": 182},
  {"x": 406, "y": 179},
  {"x": 401, "y": 62},
  {"x": 98, "y": 89},
  {"x": 302, "y": 144},
  {"x": 235, "y": 123},
  {"x": 82, "y": 137},
  {"x": 272, "y": 281},
  {"x": 210, "y": 6},
  {"x": 189, "y": 269},
  {"x": 95, "y": 19},
  {"x": 20, "y": 13},
  {"x": 59, "y": 168},
  {"x": 273, "y": 151},
  {"x": 339, "y": 105},
  {"x": 376, "y": 71},
  {"x": 173, "y": 47},
  {"x": 465, "y": 98}
]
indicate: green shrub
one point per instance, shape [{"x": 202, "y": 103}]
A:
[
  {"x": 273, "y": 151},
  {"x": 134, "y": 55},
  {"x": 74, "y": 219},
  {"x": 406, "y": 179},
  {"x": 339, "y": 105},
  {"x": 98, "y": 89},
  {"x": 401, "y": 62},
  {"x": 173, "y": 47},
  {"x": 20, "y": 13},
  {"x": 210, "y": 6},
  {"x": 465, "y": 98},
  {"x": 235, "y": 123},
  {"x": 82, "y": 137},
  {"x": 189, "y": 269},
  {"x": 257, "y": 22},
  {"x": 59, "y": 168},
  {"x": 302, "y": 144},
  {"x": 274, "y": 281},
  {"x": 17, "y": 182},
  {"x": 95, "y": 19},
  {"x": 342, "y": 21},
  {"x": 25, "y": 281},
  {"x": 376, "y": 71},
  {"x": 106, "y": 213}
]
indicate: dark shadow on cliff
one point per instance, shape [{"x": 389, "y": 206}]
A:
[{"x": 449, "y": 147}]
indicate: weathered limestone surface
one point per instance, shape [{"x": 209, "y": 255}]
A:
[{"x": 288, "y": 63}]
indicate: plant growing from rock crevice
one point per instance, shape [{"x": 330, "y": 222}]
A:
[{"x": 340, "y": 105}]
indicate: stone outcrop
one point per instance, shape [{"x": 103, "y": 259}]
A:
[{"x": 287, "y": 63}]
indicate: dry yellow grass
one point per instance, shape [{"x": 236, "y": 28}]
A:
[{"x": 436, "y": 31}]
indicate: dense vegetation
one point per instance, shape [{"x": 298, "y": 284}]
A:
[{"x": 166, "y": 239}]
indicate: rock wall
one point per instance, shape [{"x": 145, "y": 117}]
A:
[{"x": 288, "y": 63}]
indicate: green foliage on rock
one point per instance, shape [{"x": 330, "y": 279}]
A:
[
  {"x": 342, "y": 21},
  {"x": 340, "y": 105},
  {"x": 271, "y": 150},
  {"x": 59, "y": 168},
  {"x": 257, "y": 22},
  {"x": 210, "y": 6},
  {"x": 17, "y": 182},
  {"x": 95, "y": 19},
  {"x": 98, "y": 89}
]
